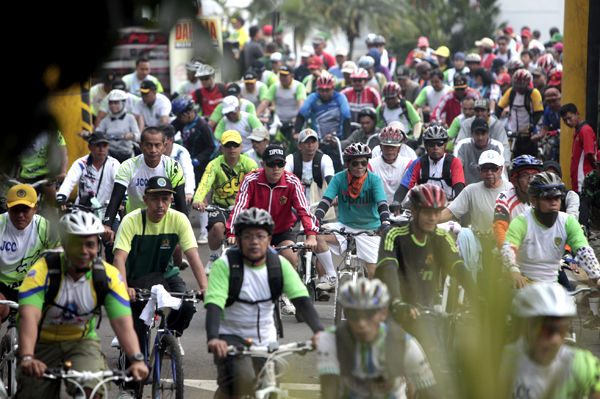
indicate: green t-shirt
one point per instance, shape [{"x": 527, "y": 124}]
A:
[
  {"x": 157, "y": 244},
  {"x": 386, "y": 115},
  {"x": 453, "y": 132},
  {"x": 40, "y": 154}
]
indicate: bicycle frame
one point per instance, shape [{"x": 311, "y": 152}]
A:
[{"x": 14, "y": 345}]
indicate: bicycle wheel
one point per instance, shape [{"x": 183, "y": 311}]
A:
[
  {"x": 9, "y": 367},
  {"x": 338, "y": 312},
  {"x": 277, "y": 317},
  {"x": 170, "y": 365}
]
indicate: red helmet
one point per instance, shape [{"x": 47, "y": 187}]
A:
[
  {"x": 391, "y": 136},
  {"x": 356, "y": 150},
  {"x": 522, "y": 78},
  {"x": 391, "y": 90},
  {"x": 427, "y": 196},
  {"x": 547, "y": 63},
  {"x": 359, "y": 73},
  {"x": 325, "y": 82}
]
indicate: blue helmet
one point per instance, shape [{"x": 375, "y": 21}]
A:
[
  {"x": 524, "y": 162},
  {"x": 182, "y": 104}
]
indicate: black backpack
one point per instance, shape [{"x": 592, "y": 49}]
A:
[
  {"x": 404, "y": 111},
  {"x": 316, "y": 167},
  {"x": 236, "y": 276},
  {"x": 446, "y": 177},
  {"x": 220, "y": 86},
  {"x": 526, "y": 100}
]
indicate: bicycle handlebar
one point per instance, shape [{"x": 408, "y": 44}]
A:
[
  {"x": 345, "y": 233},
  {"x": 144, "y": 294},
  {"x": 10, "y": 304},
  {"x": 70, "y": 206},
  {"x": 215, "y": 208},
  {"x": 293, "y": 247},
  {"x": 273, "y": 347}
]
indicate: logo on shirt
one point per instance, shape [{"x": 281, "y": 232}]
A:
[
  {"x": 557, "y": 241},
  {"x": 8, "y": 246},
  {"x": 282, "y": 200},
  {"x": 429, "y": 259},
  {"x": 21, "y": 193},
  {"x": 165, "y": 244},
  {"x": 32, "y": 273}
]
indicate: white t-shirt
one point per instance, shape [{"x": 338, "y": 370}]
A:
[
  {"x": 519, "y": 117},
  {"x": 254, "y": 156},
  {"x": 152, "y": 115},
  {"x": 182, "y": 155},
  {"x": 187, "y": 87},
  {"x": 97, "y": 95},
  {"x": 434, "y": 97},
  {"x": 391, "y": 174},
  {"x": 253, "y": 97},
  {"x": 307, "y": 172},
  {"x": 479, "y": 201},
  {"x": 405, "y": 151}
]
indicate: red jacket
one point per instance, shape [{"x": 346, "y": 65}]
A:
[
  {"x": 449, "y": 106},
  {"x": 279, "y": 201}
]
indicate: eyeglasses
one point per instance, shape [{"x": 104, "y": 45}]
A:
[
  {"x": 206, "y": 78},
  {"x": 232, "y": 144},
  {"x": 432, "y": 144},
  {"x": 356, "y": 163},
  {"x": 250, "y": 237},
  {"x": 279, "y": 164},
  {"x": 526, "y": 176},
  {"x": 486, "y": 169},
  {"x": 356, "y": 314}
]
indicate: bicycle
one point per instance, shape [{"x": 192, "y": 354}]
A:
[
  {"x": 79, "y": 378},
  {"x": 164, "y": 379},
  {"x": 8, "y": 348},
  {"x": 353, "y": 266},
  {"x": 274, "y": 367},
  {"x": 305, "y": 275},
  {"x": 580, "y": 293}
]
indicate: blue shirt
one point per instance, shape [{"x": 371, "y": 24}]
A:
[
  {"x": 551, "y": 119},
  {"x": 336, "y": 71},
  {"x": 359, "y": 213},
  {"x": 328, "y": 117},
  {"x": 408, "y": 174}
]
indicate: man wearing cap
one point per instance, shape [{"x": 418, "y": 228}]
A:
[
  {"x": 277, "y": 60},
  {"x": 237, "y": 120},
  {"x": 154, "y": 108},
  {"x": 449, "y": 106},
  {"x": 504, "y": 82},
  {"x": 528, "y": 42},
  {"x": 144, "y": 248},
  {"x": 233, "y": 90},
  {"x": 24, "y": 235},
  {"x": 410, "y": 88},
  {"x": 341, "y": 55},
  {"x": 316, "y": 69},
  {"x": 459, "y": 67},
  {"x": 319, "y": 43},
  {"x": 497, "y": 131},
  {"x": 134, "y": 80},
  {"x": 540, "y": 81},
  {"x": 223, "y": 175},
  {"x": 260, "y": 139},
  {"x": 282, "y": 47},
  {"x": 469, "y": 150},
  {"x": 442, "y": 54},
  {"x": 267, "y": 33},
  {"x": 98, "y": 92},
  {"x": 485, "y": 47},
  {"x": 555, "y": 80},
  {"x": 253, "y": 49},
  {"x": 347, "y": 68},
  {"x": 423, "y": 47},
  {"x": 305, "y": 55},
  {"x": 551, "y": 118},
  {"x": 252, "y": 89},
  {"x": 239, "y": 33}
]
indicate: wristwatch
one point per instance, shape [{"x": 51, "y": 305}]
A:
[{"x": 137, "y": 357}]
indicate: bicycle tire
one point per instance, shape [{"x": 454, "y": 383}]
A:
[
  {"x": 452, "y": 300},
  {"x": 8, "y": 372},
  {"x": 337, "y": 307},
  {"x": 170, "y": 384},
  {"x": 277, "y": 318}
]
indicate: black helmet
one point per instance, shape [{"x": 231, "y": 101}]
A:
[
  {"x": 253, "y": 217},
  {"x": 368, "y": 111}
]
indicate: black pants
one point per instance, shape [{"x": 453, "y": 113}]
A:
[
  {"x": 524, "y": 146},
  {"x": 236, "y": 374}
]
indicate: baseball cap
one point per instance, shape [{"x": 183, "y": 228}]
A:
[
  {"x": 259, "y": 134},
  {"x": 557, "y": 37},
  {"x": 319, "y": 38},
  {"x": 231, "y": 136},
  {"x": 341, "y": 50},
  {"x": 402, "y": 72},
  {"x": 98, "y": 137},
  {"x": 109, "y": 76},
  {"x": 537, "y": 71},
  {"x": 558, "y": 47},
  {"x": 348, "y": 67},
  {"x": 250, "y": 77},
  {"x": 555, "y": 78},
  {"x": 305, "y": 134},
  {"x": 442, "y": 51},
  {"x": 479, "y": 124},
  {"x": 277, "y": 30},
  {"x": 307, "y": 51},
  {"x": 497, "y": 63},
  {"x": 422, "y": 42},
  {"x": 157, "y": 184},
  {"x": 272, "y": 153},
  {"x": 459, "y": 56},
  {"x": 147, "y": 85},
  {"x": 503, "y": 79},
  {"x": 460, "y": 82},
  {"x": 315, "y": 62},
  {"x": 525, "y": 33},
  {"x": 230, "y": 104},
  {"x": 267, "y": 30},
  {"x": 491, "y": 156},
  {"x": 485, "y": 42},
  {"x": 233, "y": 89},
  {"x": 276, "y": 57},
  {"x": 119, "y": 85},
  {"x": 285, "y": 70},
  {"x": 509, "y": 29},
  {"x": 482, "y": 103},
  {"x": 21, "y": 194}
]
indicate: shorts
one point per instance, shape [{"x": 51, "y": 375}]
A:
[
  {"x": 236, "y": 374},
  {"x": 367, "y": 247},
  {"x": 278, "y": 238},
  {"x": 84, "y": 354},
  {"x": 217, "y": 217}
]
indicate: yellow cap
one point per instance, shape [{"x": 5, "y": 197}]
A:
[
  {"x": 231, "y": 135},
  {"x": 443, "y": 51},
  {"x": 21, "y": 194}
]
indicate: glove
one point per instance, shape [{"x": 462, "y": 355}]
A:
[
  {"x": 61, "y": 199},
  {"x": 195, "y": 162},
  {"x": 400, "y": 310}
]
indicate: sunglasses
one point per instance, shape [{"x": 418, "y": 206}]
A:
[
  {"x": 279, "y": 164},
  {"x": 356, "y": 314},
  {"x": 488, "y": 168},
  {"x": 432, "y": 144},
  {"x": 205, "y": 78},
  {"x": 356, "y": 163},
  {"x": 231, "y": 144},
  {"x": 357, "y": 80},
  {"x": 549, "y": 330}
]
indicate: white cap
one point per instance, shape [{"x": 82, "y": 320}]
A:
[
  {"x": 305, "y": 134},
  {"x": 348, "y": 67},
  {"x": 491, "y": 156},
  {"x": 230, "y": 104},
  {"x": 341, "y": 50},
  {"x": 307, "y": 51},
  {"x": 276, "y": 57}
]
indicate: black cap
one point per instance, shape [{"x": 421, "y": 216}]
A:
[
  {"x": 273, "y": 153},
  {"x": 98, "y": 137},
  {"x": 118, "y": 85},
  {"x": 250, "y": 76},
  {"x": 497, "y": 63},
  {"x": 460, "y": 81},
  {"x": 233, "y": 89},
  {"x": 109, "y": 76},
  {"x": 285, "y": 70},
  {"x": 147, "y": 85},
  {"x": 157, "y": 184},
  {"x": 402, "y": 72},
  {"x": 480, "y": 124}
]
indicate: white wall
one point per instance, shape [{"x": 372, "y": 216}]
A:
[{"x": 536, "y": 14}]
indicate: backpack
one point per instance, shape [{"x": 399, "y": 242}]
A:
[
  {"x": 526, "y": 100},
  {"x": 446, "y": 177},
  {"x": 99, "y": 281},
  {"x": 316, "y": 167},
  {"x": 198, "y": 93},
  {"x": 404, "y": 112},
  {"x": 236, "y": 276}
]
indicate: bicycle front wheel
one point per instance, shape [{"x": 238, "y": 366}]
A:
[
  {"x": 9, "y": 367},
  {"x": 170, "y": 368},
  {"x": 338, "y": 311}
]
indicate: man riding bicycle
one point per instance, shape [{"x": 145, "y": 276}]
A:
[
  {"x": 362, "y": 206},
  {"x": 343, "y": 361},
  {"x": 57, "y": 318},
  {"x": 243, "y": 286}
]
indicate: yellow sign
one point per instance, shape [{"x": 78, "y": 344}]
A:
[{"x": 184, "y": 35}]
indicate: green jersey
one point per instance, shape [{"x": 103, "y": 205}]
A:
[{"x": 40, "y": 154}]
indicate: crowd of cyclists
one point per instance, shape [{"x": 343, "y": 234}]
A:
[{"x": 457, "y": 142}]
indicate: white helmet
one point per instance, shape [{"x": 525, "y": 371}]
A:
[
  {"x": 81, "y": 224},
  {"x": 205, "y": 71},
  {"x": 117, "y": 95},
  {"x": 364, "y": 294},
  {"x": 543, "y": 299},
  {"x": 192, "y": 66}
]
